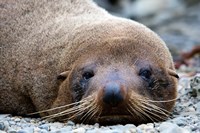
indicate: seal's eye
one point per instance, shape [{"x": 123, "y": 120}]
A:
[
  {"x": 145, "y": 74},
  {"x": 88, "y": 75}
]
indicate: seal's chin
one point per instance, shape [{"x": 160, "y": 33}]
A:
[{"x": 114, "y": 119}]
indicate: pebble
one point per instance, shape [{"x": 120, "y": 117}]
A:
[
  {"x": 190, "y": 109},
  {"x": 56, "y": 124},
  {"x": 79, "y": 130},
  {"x": 32, "y": 121},
  {"x": 12, "y": 122},
  {"x": 2, "y": 116},
  {"x": 43, "y": 131},
  {"x": 12, "y": 131},
  {"x": 44, "y": 126},
  {"x": 198, "y": 107},
  {"x": 167, "y": 127},
  {"x": 27, "y": 119},
  {"x": 70, "y": 123},
  {"x": 128, "y": 127},
  {"x": 17, "y": 119},
  {"x": 133, "y": 130},
  {"x": 24, "y": 131},
  {"x": 2, "y": 126},
  {"x": 66, "y": 129},
  {"x": 138, "y": 130},
  {"x": 180, "y": 121},
  {"x": 96, "y": 125}
]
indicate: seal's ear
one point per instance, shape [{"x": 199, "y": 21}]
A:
[
  {"x": 63, "y": 75},
  {"x": 173, "y": 73}
]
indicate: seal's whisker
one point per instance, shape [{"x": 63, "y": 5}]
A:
[
  {"x": 147, "y": 114},
  {"x": 66, "y": 112},
  {"x": 131, "y": 110},
  {"x": 74, "y": 109},
  {"x": 156, "y": 107},
  {"x": 92, "y": 114},
  {"x": 95, "y": 112},
  {"x": 135, "y": 61},
  {"x": 136, "y": 109},
  {"x": 157, "y": 110},
  {"x": 155, "y": 87},
  {"x": 81, "y": 110},
  {"x": 154, "y": 114},
  {"x": 156, "y": 80},
  {"x": 152, "y": 108},
  {"x": 161, "y": 101},
  {"x": 86, "y": 115},
  {"x": 145, "y": 107},
  {"x": 78, "y": 112},
  {"x": 99, "y": 110},
  {"x": 143, "y": 112},
  {"x": 60, "y": 107}
]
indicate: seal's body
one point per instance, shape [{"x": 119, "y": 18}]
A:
[{"x": 74, "y": 58}]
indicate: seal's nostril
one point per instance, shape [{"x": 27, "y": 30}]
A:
[{"x": 112, "y": 94}]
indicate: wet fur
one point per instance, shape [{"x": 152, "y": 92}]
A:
[{"x": 40, "y": 40}]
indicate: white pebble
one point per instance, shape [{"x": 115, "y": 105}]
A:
[
  {"x": 79, "y": 130},
  {"x": 167, "y": 127},
  {"x": 198, "y": 107},
  {"x": 17, "y": 119},
  {"x": 190, "y": 109}
]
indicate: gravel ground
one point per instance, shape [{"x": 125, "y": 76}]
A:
[{"x": 185, "y": 118}]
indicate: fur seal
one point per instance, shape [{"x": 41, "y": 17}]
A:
[{"x": 72, "y": 60}]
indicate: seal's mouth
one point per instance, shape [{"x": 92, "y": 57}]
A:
[{"x": 114, "y": 119}]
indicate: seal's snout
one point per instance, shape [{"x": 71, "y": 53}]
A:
[{"x": 112, "y": 94}]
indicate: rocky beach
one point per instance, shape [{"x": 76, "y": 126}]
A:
[{"x": 180, "y": 34}]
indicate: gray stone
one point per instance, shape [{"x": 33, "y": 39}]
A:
[
  {"x": 12, "y": 122},
  {"x": 167, "y": 127},
  {"x": 180, "y": 121},
  {"x": 12, "y": 131},
  {"x": 6, "y": 124},
  {"x": 139, "y": 130},
  {"x": 198, "y": 107},
  {"x": 44, "y": 126},
  {"x": 56, "y": 125},
  {"x": 27, "y": 119},
  {"x": 43, "y": 131},
  {"x": 23, "y": 131},
  {"x": 70, "y": 123},
  {"x": 2, "y": 126},
  {"x": 66, "y": 129},
  {"x": 95, "y": 130},
  {"x": 2, "y": 116}
]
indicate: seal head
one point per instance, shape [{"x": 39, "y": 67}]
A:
[{"x": 120, "y": 81}]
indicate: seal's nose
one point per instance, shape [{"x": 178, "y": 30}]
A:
[{"x": 112, "y": 94}]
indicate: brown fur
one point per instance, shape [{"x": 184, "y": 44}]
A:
[{"x": 41, "y": 39}]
